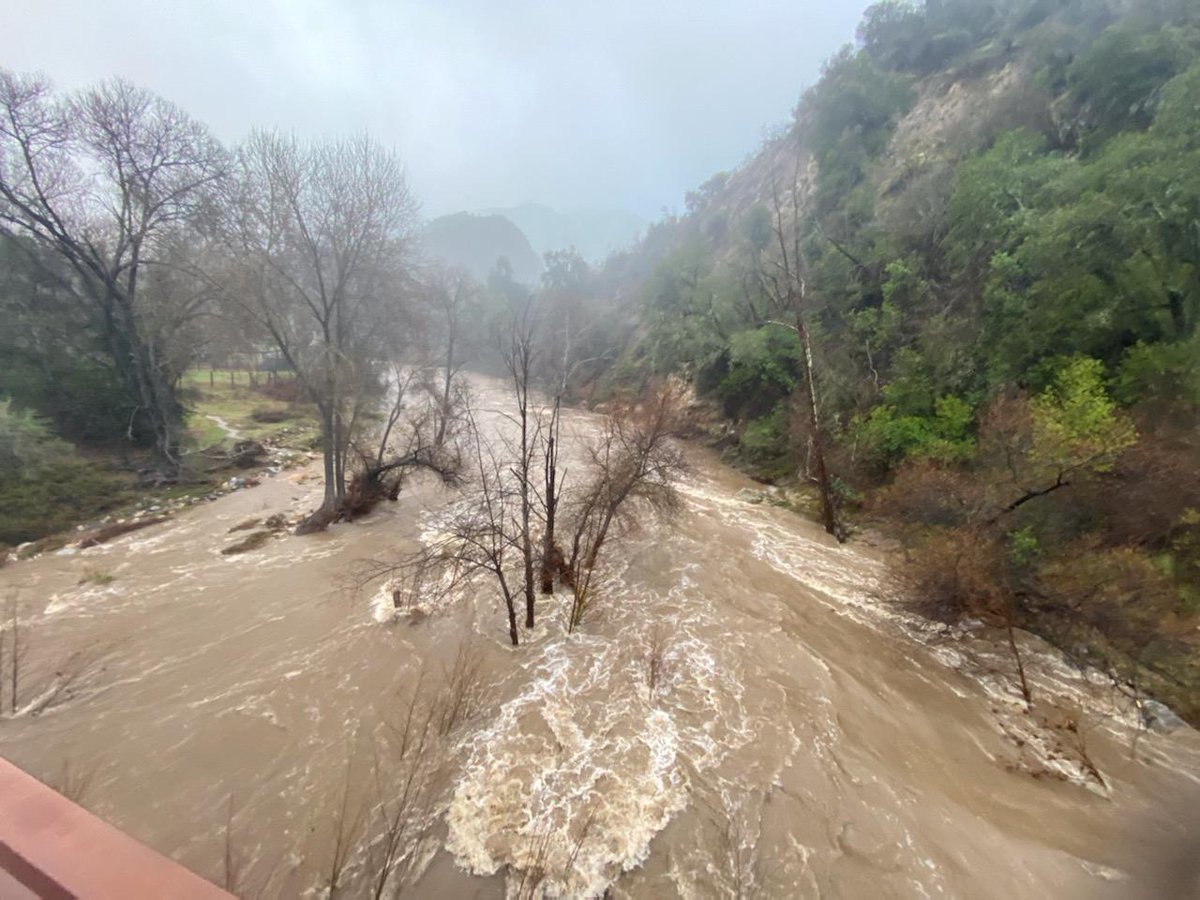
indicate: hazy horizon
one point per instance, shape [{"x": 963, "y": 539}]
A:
[{"x": 574, "y": 106}]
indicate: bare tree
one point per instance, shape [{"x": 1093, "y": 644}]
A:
[
  {"x": 348, "y": 826},
  {"x": 408, "y": 774},
  {"x": 549, "y": 431},
  {"x": 321, "y": 239},
  {"x": 411, "y": 418},
  {"x": 396, "y": 813},
  {"x": 482, "y": 532},
  {"x": 568, "y": 316},
  {"x": 107, "y": 179},
  {"x": 519, "y": 359},
  {"x": 72, "y": 782},
  {"x": 553, "y": 480},
  {"x": 735, "y": 851},
  {"x": 633, "y": 459},
  {"x": 783, "y": 278},
  {"x": 486, "y": 532},
  {"x": 232, "y": 862},
  {"x": 654, "y": 658},
  {"x": 481, "y": 537},
  {"x": 448, "y": 292},
  {"x": 34, "y": 685}
]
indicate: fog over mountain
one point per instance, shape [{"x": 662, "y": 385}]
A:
[
  {"x": 477, "y": 242},
  {"x": 595, "y": 233},
  {"x": 523, "y": 235}
]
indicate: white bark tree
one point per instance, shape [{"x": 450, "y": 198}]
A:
[{"x": 783, "y": 278}]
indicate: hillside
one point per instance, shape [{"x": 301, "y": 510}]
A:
[
  {"x": 984, "y": 220},
  {"x": 477, "y": 242}
]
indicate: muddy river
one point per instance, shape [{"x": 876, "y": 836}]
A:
[{"x": 745, "y": 714}]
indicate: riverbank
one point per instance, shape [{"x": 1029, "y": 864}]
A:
[
  {"x": 239, "y": 425},
  {"x": 1150, "y": 656}
]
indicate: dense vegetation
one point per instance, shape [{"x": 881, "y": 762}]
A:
[{"x": 998, "y": 216}]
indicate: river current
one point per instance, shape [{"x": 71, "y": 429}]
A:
[{"x": 746, "y": 713}]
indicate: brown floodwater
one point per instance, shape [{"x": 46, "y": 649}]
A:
[{"x": 745, "y": 713}]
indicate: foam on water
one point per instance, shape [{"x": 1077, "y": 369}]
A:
[
  {"x": 572, "y": 780},
  {"x": 82, "y": 599}
]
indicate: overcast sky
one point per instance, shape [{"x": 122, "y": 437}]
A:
[{"x": 575, "y": 103}]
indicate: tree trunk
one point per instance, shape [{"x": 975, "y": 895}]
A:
[
  {"x": 521, "y": 385},
  {"x": 1012, "y": 643},
  {"x": 340, "y": 448},
  {"x": 329, "y": 452},
  {"x": 447, "y": 384},
  {"x": 550, "y": 553},
  {"x": 547, "y": 569},
  {"x": 526, "y": 536},
  {"x": 824, "y": 485},
  {"x": 512, "y": 624},
  {"x": 135, "y": 363},
  {"x": 511, "y": 604}
]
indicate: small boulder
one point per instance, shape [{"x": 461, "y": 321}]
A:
[
  {"x": 246, "y": 454},
  {"x": 1160, "y": 717}
]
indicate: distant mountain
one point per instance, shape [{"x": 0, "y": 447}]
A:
[
  {"x": 476, "y": 242},
  {"x": 595, "y": 233}
]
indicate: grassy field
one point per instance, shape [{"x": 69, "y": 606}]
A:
[
  {"x": 86, "y": 485},
  {"x": 253, "y": 410}
]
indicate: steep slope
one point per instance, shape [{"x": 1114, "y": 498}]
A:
[{"x": 986, "y": 217}]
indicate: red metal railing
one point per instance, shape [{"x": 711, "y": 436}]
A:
[{"x": 53, "y": 849}]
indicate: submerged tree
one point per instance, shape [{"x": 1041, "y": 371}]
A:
[
  {"x": 633, "y": 459},
  {"x": 483, "y": 534},
  {"x": 448, "y": 294},
  {"x": 519, "y": 360},
  {"x": 321, "y": 240},
  {"x": 979, "y": 558}
]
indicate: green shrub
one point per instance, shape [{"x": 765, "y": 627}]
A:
[
  {"x": 887, "y": 435},
  {"x": 44, "y": 485},
  {"x": 1163, "y": 377},
  {"x": 766, "y": 439},
  {"x": 764, "y": 368}
]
